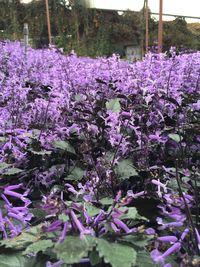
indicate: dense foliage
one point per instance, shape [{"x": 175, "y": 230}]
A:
[
  {"x": 99, "y": 159},
  {"x": 90, "y": 32}
]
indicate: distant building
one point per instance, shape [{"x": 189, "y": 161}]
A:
[{"x": 132, "y": 52}]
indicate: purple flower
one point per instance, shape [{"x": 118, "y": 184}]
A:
[
  {"x": 150, "y": 231},
  {"x": 160, "y": 258},
  {"x": 169, "y": 239},
  {"x": 83, "y": 231},
  {"x": 168, "y": 225},
  {"x": 15, "y": 218},
  {"x": 64, "y": 232},
  {"x": 55, "y": 226},
  {"x": 9, "y": 192},
  {"x": 121, "y": 225},
  {"x": 56, "y": 264}
]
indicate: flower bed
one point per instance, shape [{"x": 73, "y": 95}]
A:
[{"x": 99, "y": 159}]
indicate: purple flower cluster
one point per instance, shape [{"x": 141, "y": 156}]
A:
[{"x": 13, "y": 214}]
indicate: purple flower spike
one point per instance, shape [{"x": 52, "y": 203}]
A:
[
  {"x": 122, "y": 225},
  {"x": 115, "y": 228},
  {"x": 167, "y": 239},
  {"x": 99, "y": 217},
  {"x": 160, "y": 258},
  {"x": 174, "y": 248},
  {"x": 184, "y": 234},
  {"x": 83, "y": 231},
  {"x": 55, "y": 226},
  {"x": 64, "y": 232}
]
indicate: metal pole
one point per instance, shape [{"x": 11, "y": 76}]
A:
[
  {"x": 160, "y": 28},
  {"x": 142, "y": 25},
  {"x": 48, "y": 20},
  {"x": 147, "y": 27},
  {"x": 25, "y": 32}
]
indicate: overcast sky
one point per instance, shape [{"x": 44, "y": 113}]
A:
[{"x": 177, "y": 7}]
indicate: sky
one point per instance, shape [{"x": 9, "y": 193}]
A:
[{"x": 177, "y": 7}]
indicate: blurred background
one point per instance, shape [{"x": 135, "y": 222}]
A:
[{"x": 102, "y": 27}]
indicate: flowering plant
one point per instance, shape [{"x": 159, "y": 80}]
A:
[{"x": 99, "y": 159}]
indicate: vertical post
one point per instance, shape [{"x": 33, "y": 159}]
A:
[
  {"x": 142, "y": 26},
  {"x": 160, "y": 28},
  {"x": 25, "y": 32},
  {"x": 147, "y": 26},
  {"x": 48, "y": 20}
]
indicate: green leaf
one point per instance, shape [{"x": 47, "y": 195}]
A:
[
  {"x": 78, "y": 97},
  {"x": 130, "y": 214},
  {"x": 4, "y": 165},
  {"x": 64, "y": 145},
  {"x": 144, "y": 260},
  {"x": 38, "y": 213},
  {"x": 76, "y": 174},
  {"x": 40, "y": 245},
  {"x": 125, "y": 169},
  {"x": 12, "y": 260},
  {"x": 37, "y": 261},
  {"x": 117, "y": 255},
  {"x": 40, "y": 153},
  {"x": 2, "y": 139},
  {"x": 139, "y": 241},
  {"x": 113, "y": 105},
  {"x": 94, "y": 258},
  {"x": 26, "y": 238},
  {"x": 176, "y": 137},
  {"x": 106, "y": 201},
  {"x": 109, "y": 156},
  {"x": 12, "y": 171},
  {"x": 63, "y": 217},
  {"x": 91, "y": 209},
  {"x": 73, "y": 249}
]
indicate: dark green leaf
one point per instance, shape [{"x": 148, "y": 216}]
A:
[
  {"x": 94, "y": 258},
  {"x": 38, "y": 261},
  {"x": 40, "y": 245},
  {"x": 38, "y": 213},
  {"x": 12, "y": 260},
  {"x": 76, "y": 174},
  {"x": 117, "y": 255},
  {"x": 139, "y": 241},
  {"x": 64, "y": 145},
  {"x": 23, "y": 240},
  {"x": 130, "y": 214},
  {"x": 91, "y": 209},
  {"x": 125, "y": 169},
  {"x": 144, "y": 260},
  {"x": 12, "y": 171},
  {"x": 73, "y": 249}
]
